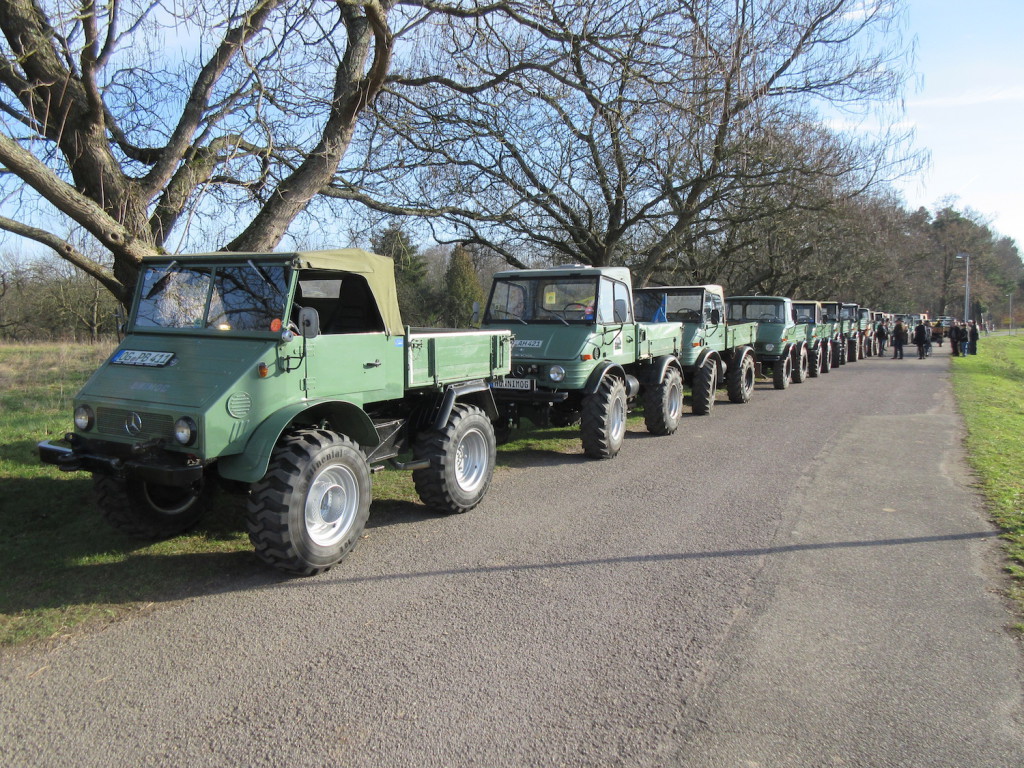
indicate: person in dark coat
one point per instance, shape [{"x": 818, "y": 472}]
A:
[
  {"x": 972, "y": 338},
  {"x": 920, "y": 339},
  {"x": 882, "y": 334},
  {"x": 899, "y": 338},
  {"x": 954, "y": 338}
]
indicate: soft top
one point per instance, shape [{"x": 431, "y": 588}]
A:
[{"x": 379, "y": 271}]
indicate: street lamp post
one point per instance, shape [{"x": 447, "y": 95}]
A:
[
  {"x": 967, "y": 285},
  {"x": 1010, "y": 297}
]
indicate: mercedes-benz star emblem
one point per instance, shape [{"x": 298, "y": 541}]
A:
[{"x": 133, "y": 424}]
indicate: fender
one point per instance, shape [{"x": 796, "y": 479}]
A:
[
  {"x": 466, "y": 391},
  {"x": 719, "y": 365},
  {"x": 734, "y": 357},
  {"x": 251, "y": 464},
  {"x": 598, "y": 374},
  {"x": 654, "y": 372}
]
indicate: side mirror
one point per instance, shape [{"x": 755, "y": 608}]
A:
[
  {"x": 716, "y": 317},
  {"x": 309, "y": 323}
]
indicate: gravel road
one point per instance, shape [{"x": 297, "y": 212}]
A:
[{"x": 805, "y": 580}]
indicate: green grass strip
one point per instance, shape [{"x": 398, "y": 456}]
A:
[{"x": 989, "y": 389}]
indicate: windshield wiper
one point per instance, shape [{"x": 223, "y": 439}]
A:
[
  {"x": 263, "y": 274},
  {"x": 553, "y": 312},
  {"x": 161, "y": 282}
]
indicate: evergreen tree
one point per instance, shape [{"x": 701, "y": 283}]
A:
[
  {"x": 415, "y": 298},
  {"x": 462, "y": 289}
]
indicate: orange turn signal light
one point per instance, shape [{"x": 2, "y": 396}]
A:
[{"x": 262, "y": 370}]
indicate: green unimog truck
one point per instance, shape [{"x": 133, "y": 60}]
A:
[
  {"x": 819, "y": 336},
  {"x": 832, "y": 316},
  {"x": 288, "y": 376},
  {"x": 580, "y": 356},
  {"x": 850, "y": 316},
  {"x": 714, "y": 352},
  {"x": 781, "y": 344}
]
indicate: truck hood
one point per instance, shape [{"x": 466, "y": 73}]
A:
[
  {"x": 550, "y": 342},
  {"x": 198, "y": 371}
]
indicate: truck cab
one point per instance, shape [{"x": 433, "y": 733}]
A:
[{"x": 819, "y": 335}]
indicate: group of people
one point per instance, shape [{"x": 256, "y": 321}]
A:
[{"x": 963, "y": 338}]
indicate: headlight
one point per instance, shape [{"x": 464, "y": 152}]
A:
[
  {"x": 185, "y": 431},
  {"x": 769, "y": 347},
  {"x": 84, "y": 418},
  {"x": 556, "y": 373}
]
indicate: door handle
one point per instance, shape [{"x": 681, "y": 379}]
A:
[{"x": 374, "y": 364}]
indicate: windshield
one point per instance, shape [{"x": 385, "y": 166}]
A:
[
  {"x": 661, "y": 306},
  {"x": 848, "y": 313},
  {"x": 560, "y": 299},
  {"x": 237, "y": 297},
  {"x": 805, "y": 313},
  {"x": 761, "y": 311}
]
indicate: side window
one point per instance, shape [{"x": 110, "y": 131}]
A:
[
  {"x": 606, "y": 302},
  {"x": 717, "y": 303},
  {"x": 623, "y": 309}
]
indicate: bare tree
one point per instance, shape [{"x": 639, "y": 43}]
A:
[
  {"x": 136, "y": 120},
  {"x": 617, "y": 132}
]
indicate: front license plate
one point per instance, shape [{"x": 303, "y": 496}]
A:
[
  {"x": 141, "y": 357},
  {"x": 524, "y": 384}
]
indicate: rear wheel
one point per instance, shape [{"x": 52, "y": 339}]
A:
[
  {"x": 603, "y": 421},
  {"x": 826, "y": 357},
  {"x": 461, "y": 459},
  {"x": 851, "y": 346},
  {"x": 309, "y": 510},
  {"x": 663, "y": 404},
  {"x": 148, "y": 510},
  {"x": 740, "y": 380},
  {"x": 705, "y": 382}
]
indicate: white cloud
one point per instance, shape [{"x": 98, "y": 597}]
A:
[{"x": 969, "y": 98}]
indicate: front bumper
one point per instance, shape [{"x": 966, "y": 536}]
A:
[{"x": 80, "y": 455}]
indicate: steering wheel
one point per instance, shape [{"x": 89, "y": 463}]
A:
[
  {"x": 571, "y": 304},
  {"x": 766, "y": 316}
]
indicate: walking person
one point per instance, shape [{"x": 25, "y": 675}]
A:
[
  {"x": 927, "y": 338},
  {"x": 882, "y": 334},
  {"x": 954, "y": 338},
  {"x": 965, "y": 336},
  {"x": 899, "y": 338},
  {"x": 919, "y": 339},
  {"x": 972, "y": 339}
]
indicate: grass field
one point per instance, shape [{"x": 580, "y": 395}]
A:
[
  {"x": 64, "y": 566},
  {"x": 989, "y": 389}
]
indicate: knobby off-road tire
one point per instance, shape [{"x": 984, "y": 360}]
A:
[
  {"x": 838, "y": 353},
  {"x": 814, "y": 362},
  {"x": 740, "y": 380},
  {"x": 149, "y": 511},
  {"x": 309, "y": 510},
  {"x": 705, "y": 382},
  {"x": 782, "y": 372},
  {"x": 603, "y": 422},
  {"x": 800, "y": 366},
  {"x": 851, "y": 354},
  {"x": 663, "y": 404},
  {"x": 826, "y": 356},
  {"x": 461, "y": 456}
]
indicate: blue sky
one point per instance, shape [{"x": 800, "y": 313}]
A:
[{"x": 968, "y": 108}]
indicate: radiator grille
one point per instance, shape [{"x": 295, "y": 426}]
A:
[{"x": 115, "y": 421}]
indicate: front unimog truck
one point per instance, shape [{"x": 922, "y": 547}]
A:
[
  {"x": 714, "y": 352},
  {"x": 781, "y": 343},
  {"x": 290, "y": 377},
  {"x": 580, "y": 356}
]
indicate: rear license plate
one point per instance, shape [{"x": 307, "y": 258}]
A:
[{"x": 524, "y": 384}]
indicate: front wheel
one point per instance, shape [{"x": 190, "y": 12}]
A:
[
  {"x": 461, "y": 456},
  {"x": 309, "y": 510},
  {"x": 150, "y": 511},
  {"x": 800, "y": 366},
  {"x": 826, "y": 356},
  {"x": 814, "y": 361},
  {"x": 663, "y": 404},
  {"x": 603, "y": 423},
  {"x": 782, "y": 372},
  {"x": 705, "y": 382},
  {"x": 740, "y": 380}
]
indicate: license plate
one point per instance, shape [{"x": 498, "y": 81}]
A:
[
  {"x": 525, "y": 384},
  {"x": 141, "y": 357}
]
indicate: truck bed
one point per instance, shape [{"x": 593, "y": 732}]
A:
[{"x": 439, "y": 356}]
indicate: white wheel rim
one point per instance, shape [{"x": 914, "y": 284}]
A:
[
  {"x": 618, "y": 419},
  {"x": 331, "y": 505},
  {"x": 471, "y": 458},
  {"x": 675, "y": 401}
]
